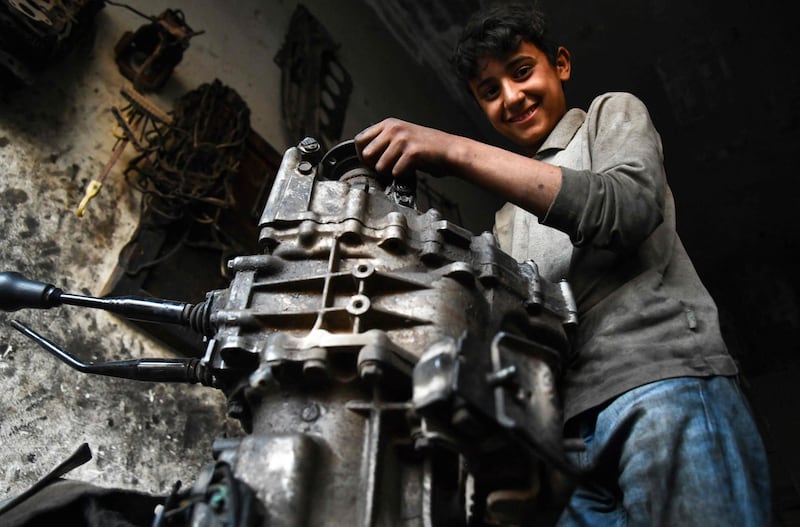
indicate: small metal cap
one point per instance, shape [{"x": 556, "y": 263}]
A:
[{"x": 310, "y": 149}]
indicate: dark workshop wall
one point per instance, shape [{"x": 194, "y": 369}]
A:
[
  {"x": 721, "y": 89},
  {"x": 722, "y": 86}
]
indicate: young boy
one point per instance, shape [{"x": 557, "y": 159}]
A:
[{"x": 651, "y": 388}]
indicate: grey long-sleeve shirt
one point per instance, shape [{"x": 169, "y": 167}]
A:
[{"x": 644, "y": 314}]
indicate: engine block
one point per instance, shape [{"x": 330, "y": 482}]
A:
[{"x": 382, "y": 357}]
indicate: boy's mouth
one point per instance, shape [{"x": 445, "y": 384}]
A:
[{"x": 522, "y": 116}]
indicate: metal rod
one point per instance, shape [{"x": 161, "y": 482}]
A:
[
  {"x": 50, "y": 347},
  {"x": 152, "y": 370}
]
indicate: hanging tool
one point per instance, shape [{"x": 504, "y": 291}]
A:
[
  {"x": 96, "y": 184},
  {"x": 139, "y": 116}
]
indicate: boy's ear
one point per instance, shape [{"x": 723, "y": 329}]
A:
[{"x": 563, "y": 63}]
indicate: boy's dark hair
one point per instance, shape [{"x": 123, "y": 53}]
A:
[{"x": 496, "y": 31}]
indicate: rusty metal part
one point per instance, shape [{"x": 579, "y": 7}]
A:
[
  {"x": 183, "y": 167},
  {"x": 148, "y": 56},
  {"x": 34, "y": 34},
  {"x": 184, "y": 164}
]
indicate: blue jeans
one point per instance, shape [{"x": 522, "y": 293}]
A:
[{"x": 677, "y": 452}]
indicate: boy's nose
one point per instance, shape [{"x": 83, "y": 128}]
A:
[{"x": 512, "y": 96}]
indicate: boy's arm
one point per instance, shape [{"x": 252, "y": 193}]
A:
[
  {"x": 397, "y": 147},
  {"x": 619, "y": 200}
]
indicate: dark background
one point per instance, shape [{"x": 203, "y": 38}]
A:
[
  {"x": 722, "y": 88},
  {"x": 721, "y": 83}
]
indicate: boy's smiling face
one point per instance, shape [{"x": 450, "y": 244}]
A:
[{"x": 522, "y": 95}]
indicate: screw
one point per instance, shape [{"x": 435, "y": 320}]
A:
[
  {"x": 310, "y": 413},
  {"x": 308, "y": 145}
]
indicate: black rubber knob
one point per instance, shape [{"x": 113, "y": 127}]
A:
[{"x": 17, "y": 292}]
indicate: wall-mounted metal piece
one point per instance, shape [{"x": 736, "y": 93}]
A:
[
  {"x": 315, "y": 87},
  {"x": 148, "y": 55}
]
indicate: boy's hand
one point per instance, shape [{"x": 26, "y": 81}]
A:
[
  {"x": 400, "y": 148},
  {"x": 397, "y": 148}
]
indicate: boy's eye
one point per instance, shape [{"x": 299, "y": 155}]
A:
[
  {"x": 522, "y": 72},
  {"x": 490, "y": 93}
]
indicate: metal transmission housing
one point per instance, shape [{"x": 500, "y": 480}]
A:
[{"x": 382, "y": 357}]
